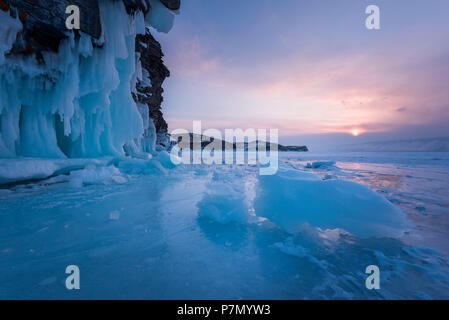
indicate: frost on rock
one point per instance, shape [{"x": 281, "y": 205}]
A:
[{"x": 78, "y": 102}]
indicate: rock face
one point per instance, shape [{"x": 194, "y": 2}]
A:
[
  {"x": 44, "y": 23},
  {"x": 150, "y": 92},
  {"x": 44, "y": 28},
  {"x": 44, "y": 20}
]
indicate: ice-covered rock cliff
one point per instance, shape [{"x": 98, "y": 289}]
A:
[{"x": 88, "y": 93}]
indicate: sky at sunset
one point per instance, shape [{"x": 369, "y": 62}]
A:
[{"x": 310, "y": 68}]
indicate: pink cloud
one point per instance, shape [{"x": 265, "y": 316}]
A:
[
  {"x": 191, "y": 59},
  {"x": 311, "y": 95}
]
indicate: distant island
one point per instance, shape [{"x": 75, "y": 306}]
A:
[{"x": 205, "y": 141}]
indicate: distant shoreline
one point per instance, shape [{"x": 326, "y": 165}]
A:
[{"x": 226, "y": 145}]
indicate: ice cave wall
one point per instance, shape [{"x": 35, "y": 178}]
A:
[{"x": 89, "y": 93}]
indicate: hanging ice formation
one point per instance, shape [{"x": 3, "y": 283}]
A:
[{"x": 80, "y": 100}]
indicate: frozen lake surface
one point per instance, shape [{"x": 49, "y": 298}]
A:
[{"x": 201, "y": 232}]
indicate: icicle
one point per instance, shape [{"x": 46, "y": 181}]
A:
[{"x": 79, "y": 104}]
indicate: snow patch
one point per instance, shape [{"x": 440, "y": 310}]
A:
[
  {"x": 96, "y": 175},
  {"x": 17, "y": 170}
]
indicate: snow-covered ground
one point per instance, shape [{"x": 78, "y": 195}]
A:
[{"x": 137, "y": 229}]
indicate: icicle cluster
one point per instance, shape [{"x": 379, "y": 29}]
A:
[{"x": 79, "y": 103}]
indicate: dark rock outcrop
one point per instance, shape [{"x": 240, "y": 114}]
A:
[
  {"x": 151, "y": 93},
  {"x": 293, "y": 148},
  {"x": 187, "y": 142},
  {"x": 44, "y": 23}
]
